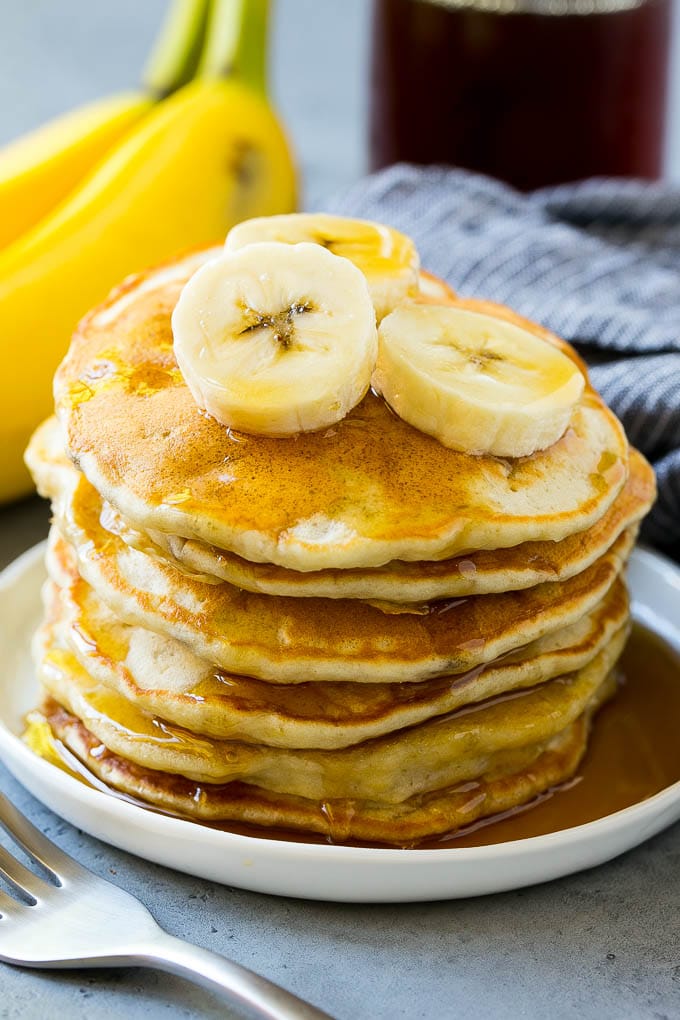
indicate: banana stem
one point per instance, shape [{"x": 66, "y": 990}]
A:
[
  {"x": 236, "y": 42},
  {"x": 177, "y": 51}
]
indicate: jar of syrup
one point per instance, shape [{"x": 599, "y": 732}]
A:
[{"x": 534, "y": 92}]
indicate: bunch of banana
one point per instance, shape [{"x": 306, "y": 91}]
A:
[
  {"x": 125, "y": 183},
  {"x": 286, "y": 331}
]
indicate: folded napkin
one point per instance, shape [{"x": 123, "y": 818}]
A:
[{"x": 597, "y": 262}]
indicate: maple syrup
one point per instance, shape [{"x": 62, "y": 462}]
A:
[
  {"x": 534, "y": 92},
  {"x": 633, "y": 752}
]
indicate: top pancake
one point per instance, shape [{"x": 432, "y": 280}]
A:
[
  {"x": 369, "y": 490},
  {"x": 396, "y": 587},
  {"x": 403, "y": 584}
]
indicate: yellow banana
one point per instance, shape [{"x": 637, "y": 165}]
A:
[
  {"x": 180, "y": 179},
  {"x": 39, "y": 170},
  {"x": 191, "y": 166}
]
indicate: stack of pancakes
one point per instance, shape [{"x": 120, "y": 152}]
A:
[{"x": 357, "y": 632}]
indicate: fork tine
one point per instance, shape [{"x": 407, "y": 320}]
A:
[
  {"x": 21, "y": 878},
  {"x": 8, "y": 906},
  {"x": 37, "y": 846}
]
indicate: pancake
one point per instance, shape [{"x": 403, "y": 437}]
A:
[
  {"x": 397, "y": 583},
  {"x": 477, "y": 573},
  {"x": 161, "y": 676},
  {"x": 366, "y": 492},
  {"x": 404, "y": 824},
  {"x": 286, "y": 640},
  {"x": 493, "y": 738}
]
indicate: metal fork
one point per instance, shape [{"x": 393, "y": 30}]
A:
[{"x": 76, "y": 919}]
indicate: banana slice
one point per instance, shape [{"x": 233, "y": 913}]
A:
[
  {"x": 433, "y": 291},
  {"x": 276, "y": 339},
  {"x": 474, "y": 382},
  {"x": 388, "y": 259}
]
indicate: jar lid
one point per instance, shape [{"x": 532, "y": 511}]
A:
[{"x": 543, "y": 7}]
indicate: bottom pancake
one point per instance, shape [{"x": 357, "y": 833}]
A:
[{"x": 405, "y": 824}]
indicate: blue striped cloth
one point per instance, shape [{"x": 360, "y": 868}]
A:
[{"x": 597, "y": 262}]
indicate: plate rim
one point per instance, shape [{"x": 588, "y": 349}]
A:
[{"x": 158, "y": 824}]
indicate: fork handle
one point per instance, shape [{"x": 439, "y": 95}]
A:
[{"x": 232, "y": 981}]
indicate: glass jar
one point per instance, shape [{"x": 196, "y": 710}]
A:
[{"x": 533, "y": 92}]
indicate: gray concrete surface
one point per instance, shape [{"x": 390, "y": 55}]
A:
[{"x": 603, "y": 944}]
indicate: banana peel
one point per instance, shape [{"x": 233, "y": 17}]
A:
[{"x": 210, "y": 154}]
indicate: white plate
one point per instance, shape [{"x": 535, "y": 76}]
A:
[{"x": 350, "y": 874}]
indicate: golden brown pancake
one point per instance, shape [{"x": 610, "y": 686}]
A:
[
  {"x": 161, "y": 676},
  {"x": 495, "y": 737},
  {"x": 356, "y": 632},
  {"x": 286, "y": 640},
  {"x": 368, "y": 491},
  {"x": 397, "y": 583},
  {"x": 402, "y": 824},
  {"x": 478, "y": 573}
]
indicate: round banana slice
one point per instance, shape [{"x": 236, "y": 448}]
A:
[
  {"x": 433, "y": 291},
  {"x": 388, "y": 259},
  {"x": 474, "y": 382},
  {"x": 276, "y": 339}
]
